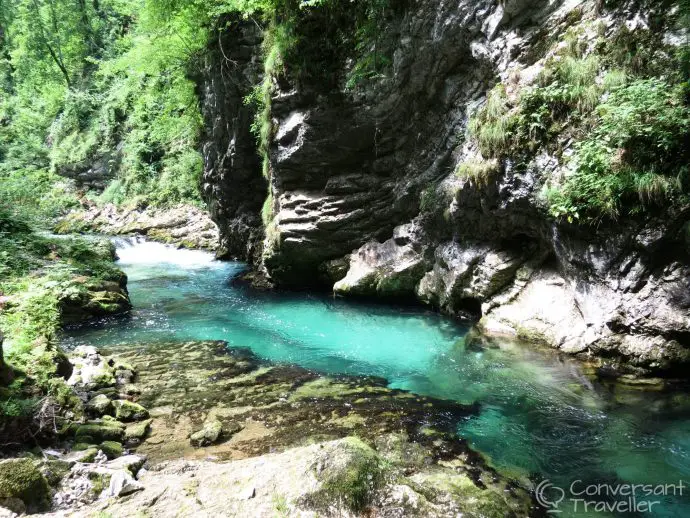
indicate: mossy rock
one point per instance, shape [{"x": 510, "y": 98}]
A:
[
  {"x": 475, "y": 501},
  {"x": 351, "y": 479},
  {"x": 112, "y": 449},
  {"x": 209, "y": 434},
  {"x": 20, "y": 478},
  {"x": 99, "y": 482},
  {"x": 128, "y": 411},
  {"x": 89, "y": 455},
  {"x": 137, "y": 431},
  {"x": 94, "y": 433},
  {"x": 99, "y": 405},
  {"x": 54, "y": 471}
]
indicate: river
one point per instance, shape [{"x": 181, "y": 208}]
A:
[{"x": 540, "y": 417}]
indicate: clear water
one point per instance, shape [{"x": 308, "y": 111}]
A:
[{"x": 540, "y": 417}]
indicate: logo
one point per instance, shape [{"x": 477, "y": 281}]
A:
[
  {"x": 549, "y": 496},
  {"x": 583, "y": 497}
]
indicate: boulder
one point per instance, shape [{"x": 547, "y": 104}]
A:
[
  {"x": 99, "y": 405},
  {"x": 131, "y": 463},
  {"x": 137, "y": 431},
  {"x": 129, "y": 411},
  {"x": 21, "y": 479},
  {"x": 111, "y": 449},
  {"x": 95, "y": 432},
  {"x": 122, "y": 483}
]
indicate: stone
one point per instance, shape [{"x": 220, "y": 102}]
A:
[
  {"x": 13, "y": 506},
  {"x": 335, "y": 477},
  {"x": 111, "y": 449},
  {"x": 21, "y": 479},
  {"x": 99, "y": 405},
  {"x": 54, "y": 470},
  {"x": 209, "y": 433},
  {"x": 137, "y": 431},
  {"x": 183, "y": 225},
  {"x": 129, "y": 411},
  {"x": 122, "y": 483},
  {"x": 90, "y": 370},
  {"x": 95, "y": 432},
  {"x": 85, "y": 454},
  {"x": 131, "y": 463}
]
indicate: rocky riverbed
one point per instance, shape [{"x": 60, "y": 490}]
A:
[{"x": 162, "y": 420}]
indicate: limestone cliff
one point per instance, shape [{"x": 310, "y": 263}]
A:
[{"x": 363, "y": 194}]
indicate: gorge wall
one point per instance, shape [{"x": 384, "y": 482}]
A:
[{"x": 362, "y": 186}]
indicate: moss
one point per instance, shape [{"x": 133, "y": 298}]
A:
[
  {"x": 474, "y": 501},
  {"x": 477, "y": 170},
  {"x": 128, "y": 411},
  {"x": 54, "y": 471},
  {"x": 328, "y": 388},
  {"x": 137, "y": 431},
  {"x": 20, "y": 478},
  {"x": 112, "y": 449},
  {"x": 89, "y": 455},
  {"x": 99, "y": 482},
  {"x": 267, "y": 210},
  {"x": 96, "y": 432},
  {"x": 532, "y": 335},
  {"x": 353, "y": 483}
]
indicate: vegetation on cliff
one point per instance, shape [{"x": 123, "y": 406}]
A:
[{"x": 613, "y": 108}]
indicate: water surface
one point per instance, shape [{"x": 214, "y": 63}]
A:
[{"x": 540, "y": 417}]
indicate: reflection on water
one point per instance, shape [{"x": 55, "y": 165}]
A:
[{"x": 539, "y": 416}]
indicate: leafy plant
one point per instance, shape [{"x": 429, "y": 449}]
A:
[{"x": 637, "y": 151}]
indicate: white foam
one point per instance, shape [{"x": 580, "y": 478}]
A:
[{"x": 139, "y": 251}]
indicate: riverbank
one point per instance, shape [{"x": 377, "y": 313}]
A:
[
  {"x": 47, "y": 282},
  {"x": 185, "y": 226}
]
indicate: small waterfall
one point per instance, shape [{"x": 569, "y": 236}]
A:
[{"x": 133, "y": 250}]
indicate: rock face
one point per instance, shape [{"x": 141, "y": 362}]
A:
[
  {"x": 233, "y": 185},
  {"x": 364, "y": 199},
  {"x": 336, "y": 478}
]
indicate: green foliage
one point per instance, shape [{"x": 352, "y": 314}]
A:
[
  {"x": 479, "y": 171},
  {"x": 492, "y": 124},
  {"x": 267, "y": 210},
  {"x": 622, "y": 103},
  {"x": 636, "y": 156}
]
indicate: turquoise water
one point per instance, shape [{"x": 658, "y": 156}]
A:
[{"x": 540, "y": 417}]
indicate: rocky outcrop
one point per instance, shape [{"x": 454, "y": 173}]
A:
[
  {"x": 364, "y": 195},
  {"x": 233, "y": 185},
  {"x": 185, "y": 226}
]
